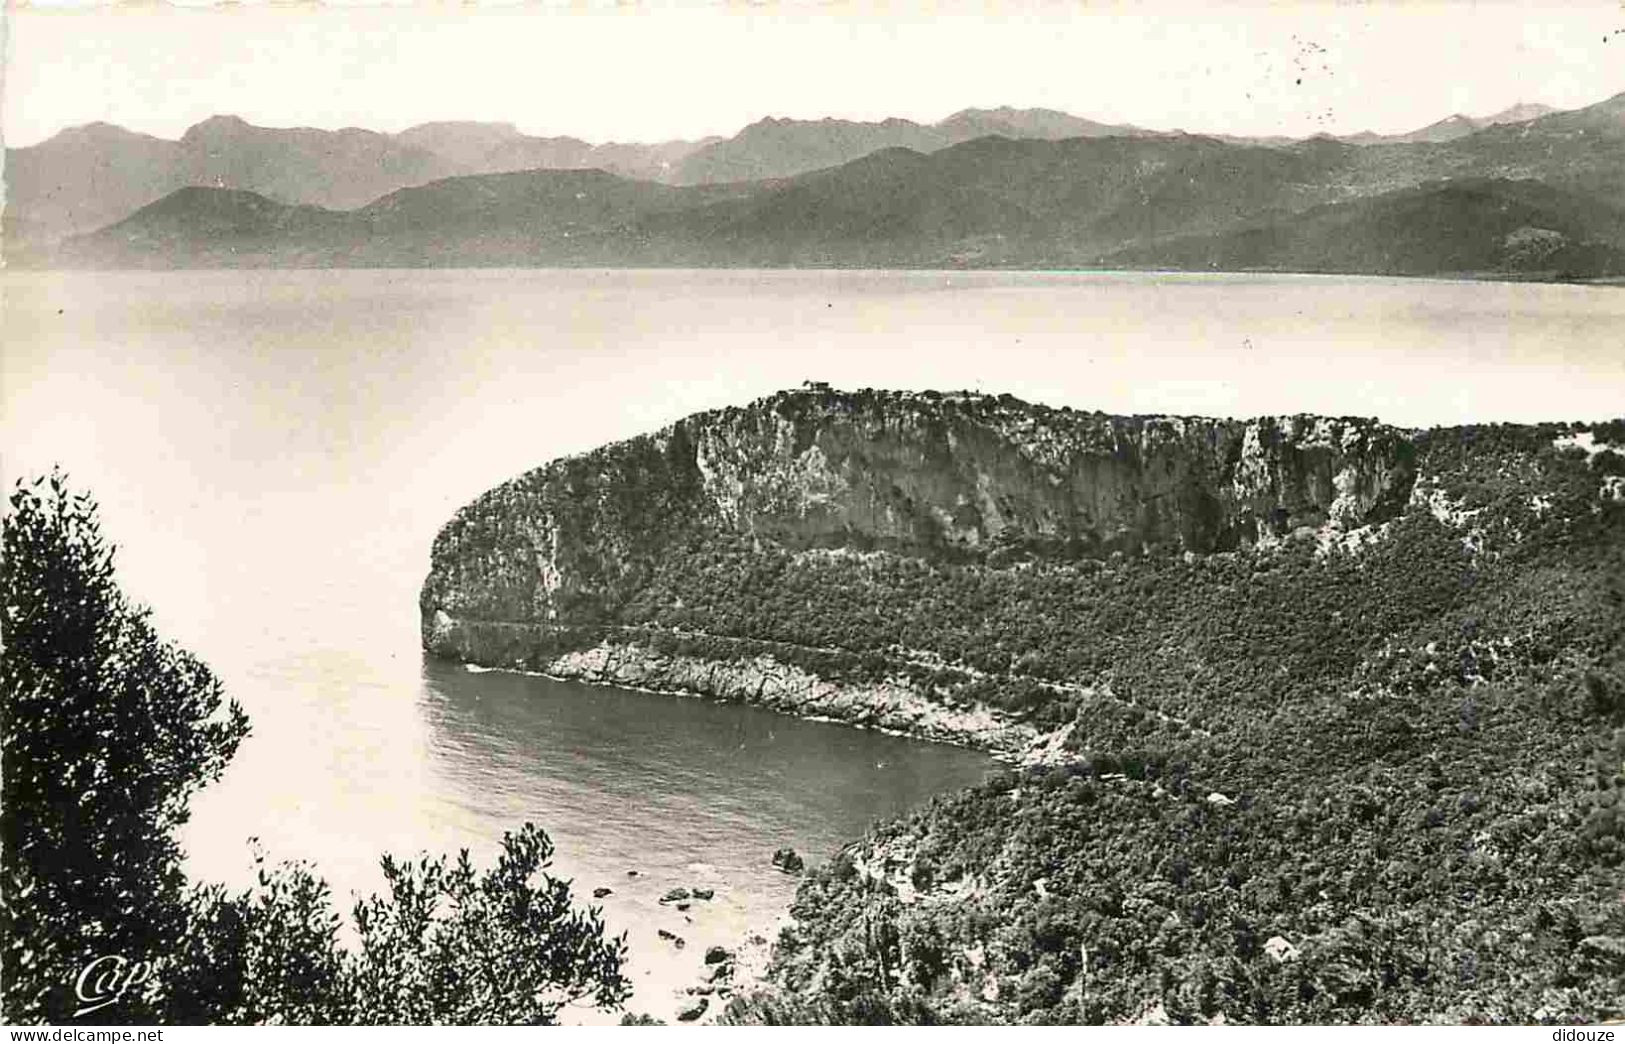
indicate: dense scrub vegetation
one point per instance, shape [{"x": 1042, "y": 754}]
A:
[
  {"x": 1365, "y": 781},
  {"x": 1369, "y": 775},
  {"x": 1046, "y": 637}
]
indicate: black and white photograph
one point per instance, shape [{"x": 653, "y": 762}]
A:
[{"x": 964, "y": 513}]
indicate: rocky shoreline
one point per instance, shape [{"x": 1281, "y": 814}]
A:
[{"x": 894, "y": 707}]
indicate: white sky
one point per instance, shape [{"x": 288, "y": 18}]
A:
[{"x": 649, "y": 71}]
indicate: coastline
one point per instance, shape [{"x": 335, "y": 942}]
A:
[
  {"x": 26, "y": 264},
  {"x": 630, "y": 667},
  {"x": 892, "y": 708}
]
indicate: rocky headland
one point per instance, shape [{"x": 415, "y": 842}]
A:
[
  {"x": 537, "y": 574},
  {"x": 1318, "y": 720}
]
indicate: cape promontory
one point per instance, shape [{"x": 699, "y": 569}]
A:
[
  {"x": 938, "y": 475},
  {"x": 1317, "y": 720},
  {"x": 553, "y": 556}
]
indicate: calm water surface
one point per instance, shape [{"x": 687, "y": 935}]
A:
[{"x": 274, "y": 452}]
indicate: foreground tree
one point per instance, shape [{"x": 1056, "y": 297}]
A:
[
  {"x": 445, "y": 945},
  {"x": 450, "y": 946},
  {"x": 107, "y": 731}
]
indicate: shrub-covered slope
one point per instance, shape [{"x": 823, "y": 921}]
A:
[
  {"x": 1356, "y": 782},
  {"x": 1319, "y": 720}
]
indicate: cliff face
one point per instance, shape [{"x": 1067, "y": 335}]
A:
[
  {"x": 951, "y": 475},
  {"x": 938, "y": 476}
]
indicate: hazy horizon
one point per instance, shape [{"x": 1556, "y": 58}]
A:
[
  {"x": 475, "y": 120},
  {"x": 644, "y": 74}
]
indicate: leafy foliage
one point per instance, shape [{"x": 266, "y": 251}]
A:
[
  {"x": 449, "y": 946},
  {"x": 445, "y": 945},
  {"x": 108, "y": 731}
]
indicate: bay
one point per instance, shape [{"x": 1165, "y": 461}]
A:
[{"x": 274, "y": 452}]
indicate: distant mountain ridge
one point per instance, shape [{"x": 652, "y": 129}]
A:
[
  {"x": 1537, "y": 198},
  {"x": 88, "y": 177},
  {"x": 778, "y": 148},
  {"x": 1048, "y": 124},
  {"x": 1457, "y": 126},
  {"x": 499, "y": 148},
  {"x": 1460, "y": 227},
  {"x": 85, "y": 178},
  {"x": 1509, "y": 201}
]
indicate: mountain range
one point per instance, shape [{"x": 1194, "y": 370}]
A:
[
  {"x": 1458, "y": 126},
  {"x": 87, "y": 177},
  {"x": 1527, "y": 192}
]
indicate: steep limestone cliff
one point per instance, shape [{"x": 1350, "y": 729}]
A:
[
  {"x": 537, "y": 568},
  {"x": 934, "y": 475}
]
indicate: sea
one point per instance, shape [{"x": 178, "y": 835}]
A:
[{"x": 273, "y": 452}]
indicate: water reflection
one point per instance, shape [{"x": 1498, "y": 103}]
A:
[
  {"x": 628, "y": 778},
  {"x": 643, "y": 793}
]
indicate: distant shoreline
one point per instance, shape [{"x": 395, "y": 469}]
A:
[{"x": 1550, "y": 279}]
